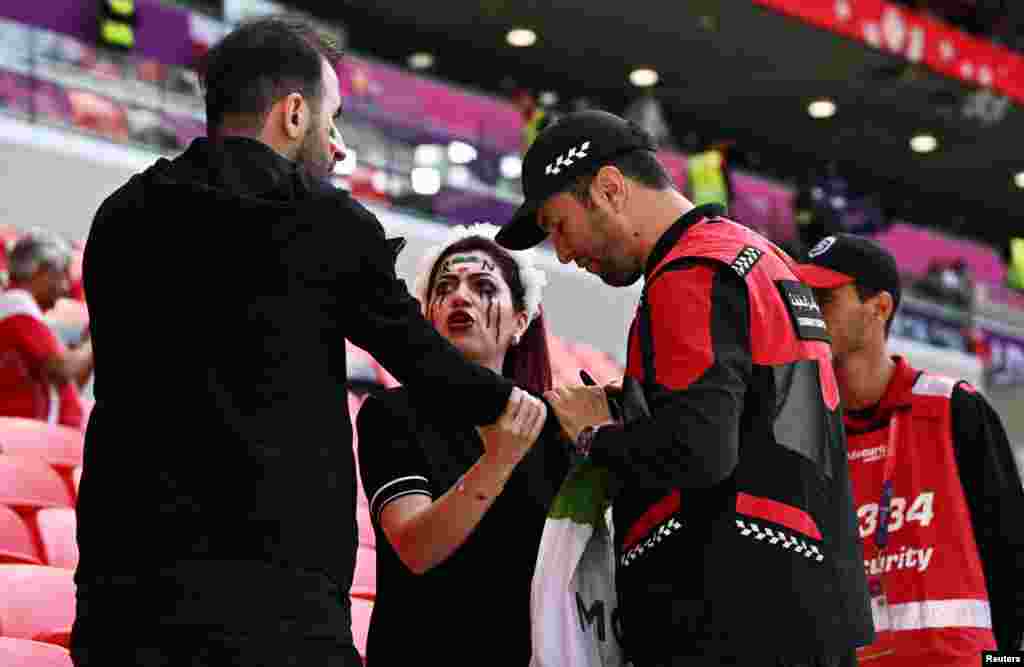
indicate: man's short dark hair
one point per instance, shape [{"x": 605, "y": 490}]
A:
[
  {"x": 864, "y": 293},
  {"x": 262, "y": 61},
  {"x": 639, "y": 165}
]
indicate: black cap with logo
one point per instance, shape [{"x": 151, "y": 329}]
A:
[
  {"x": 576, "y": 144},
  {"x": 842, "y": 259}
]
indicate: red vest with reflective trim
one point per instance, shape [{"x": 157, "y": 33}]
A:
[
  {"x": 771, "y": 344},
  {"x": 768, "y": 560},
  {"x": 936, "y": 610}
]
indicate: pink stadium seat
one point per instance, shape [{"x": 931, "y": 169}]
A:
[
  {"x": 27, "y": 653},
  {"x": 30, "y": 483},
  {"x": 17, "y": 544},
  {"x": 366, "y": 568},
  {"x": 361, "y": 366},
  {"x": 354, "y": 403},
  {"x": 59, "y": 446},
  {"x": 564, "y": 368},
  {"x": 57, "y": 530},
  {"x": 367, "y": 538},
  {"x": 362, "y": 609},
  {"x": 386, "y": 378},
  {"x": 600, "y": 366},
  {"x": 36, "y": 602}
]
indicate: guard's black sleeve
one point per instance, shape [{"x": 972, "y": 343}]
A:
[
  {"x": 700, "y": 326},
  {"x": 387, "y": 323},
  {"x": 992, "y": 485}
]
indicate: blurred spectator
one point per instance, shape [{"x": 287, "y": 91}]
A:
[
  {"x": 1015, "y": 274},
  {"x": 827, "y": 205},
  {"x": 706, "y": 181},
  {"x": 39, "y": 376},
  {"x": 814, "y": 220},
  {"x": 647, "y": 112},
  {"x": 535, "y": 116},
  {"x": 950, "y": 282}
]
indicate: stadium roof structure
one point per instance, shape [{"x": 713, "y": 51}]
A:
[{"x": 729, "y": 69}]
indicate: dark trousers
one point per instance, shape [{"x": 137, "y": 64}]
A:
[{"x": 218, "y": 651}]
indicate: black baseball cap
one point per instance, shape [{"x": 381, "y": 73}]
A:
[
  {"x": 577, "y": 143},
  {"x": 842, "y": 259}
]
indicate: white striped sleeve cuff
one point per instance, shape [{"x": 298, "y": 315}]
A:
[{"x": 396, "y": 488}]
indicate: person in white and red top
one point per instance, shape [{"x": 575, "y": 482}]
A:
[
  {"x": 938, "y": 494},
  {"x": 39, "y": 376}
]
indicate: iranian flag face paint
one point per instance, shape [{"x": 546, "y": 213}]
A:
[{"x": 471, "y": 305}]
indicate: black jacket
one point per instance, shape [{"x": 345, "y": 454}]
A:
[
  {"x": 222, "y": 286},
  {"x": 733, "y": 516},
  {"x": 418, "y": 617}
]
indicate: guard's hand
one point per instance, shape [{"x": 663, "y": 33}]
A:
[
  {"x": 509, "y": 439},
  {"x": 613, "y": 389},
  {"x": 578, "y": 407}
]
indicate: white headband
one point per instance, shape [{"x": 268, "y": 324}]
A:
[{"x": 533, "y": 279}]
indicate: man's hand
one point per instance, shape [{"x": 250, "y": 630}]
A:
[
  {"x": 517, "y": 429},
  {"x": 578, "y": 407}
]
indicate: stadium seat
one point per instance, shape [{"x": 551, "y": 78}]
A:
[
  {"x": 365, "y": 576},
  {"x": 564, "y": 368},
  {"x": 27, "y": 653},
  {"x": 76, "y": 478},
  {"x": 363, "y": 593},
  {"x": 17, "y": 544},
  {"x": 367, "y": 538},
  {"x": 362, "y": 609},
  {"x": 36, "y": 602},
  {"x": 59, "y": 446},
  {"x": 57, "y": 529},
  {"x": 600, "y": 366},
  {"x": 27, "y": 482}
]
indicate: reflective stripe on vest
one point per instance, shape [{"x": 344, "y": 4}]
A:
[{"x": 932, "y": 614}]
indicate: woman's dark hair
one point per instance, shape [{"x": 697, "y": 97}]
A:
[
  {"x": 528, "y": 364},
  {"x": 259, "y": 63}
]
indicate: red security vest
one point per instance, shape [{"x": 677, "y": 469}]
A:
[
  {"x": 777, "y": 552},
  {"x": 771, "y": 344},
  {"x": 936, "y": 610}
]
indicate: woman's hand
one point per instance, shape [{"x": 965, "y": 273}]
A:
[{"x": 508, "y": 440}]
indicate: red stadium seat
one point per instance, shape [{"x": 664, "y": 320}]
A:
[
  {"x": 363, "y": 593},
  {"x": 27, "y": 653},
  {"x": 57, "y": 530},
  {"x": 36, "y": 602},
  {"x": 76, "y": 478},
  {"x": 362, "y": 609},
  {"x": 27, "y": 482},
  {"x": 60, "y": 446},
  {"x": 17, "y": 544},
  {"x": 365, "y": 575}
]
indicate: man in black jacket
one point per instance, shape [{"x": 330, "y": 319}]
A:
[
  {"x": 734, "y": 526},
  {"x": 216, "y": 514}
]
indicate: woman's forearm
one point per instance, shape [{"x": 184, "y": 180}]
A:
[{"x": 432, "y": 534}]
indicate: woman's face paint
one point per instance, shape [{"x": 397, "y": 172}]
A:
[{"x": 471, "y": 305}]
